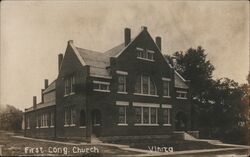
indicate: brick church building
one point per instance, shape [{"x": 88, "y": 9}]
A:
[{"x": 129, "y": 90}]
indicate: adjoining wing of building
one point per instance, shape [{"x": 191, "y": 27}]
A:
[{"x": 129, "y": 90}]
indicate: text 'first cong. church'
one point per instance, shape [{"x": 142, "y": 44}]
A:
[{"x": 129, "y": 90}]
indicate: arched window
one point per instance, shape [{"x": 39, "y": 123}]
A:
[
  {"x": 82, "y": 118},
  {"x": 145, "y": 85}
]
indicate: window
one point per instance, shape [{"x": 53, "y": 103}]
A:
[
  {"x": 69, "y": 83},
  {"x": 145, "y": 54},
  {"x": 122, "y": 115},
  {"x": 82, "y": 118},
  {"x": 181, "y": 94},
  {"x": 153, "y": 115},
  {"x": 69, "y": 116},
  {"x": 145, "y": 85},
  {"x": 166, "y": 114},
  {"x": 44, "y": 120},
  {"x": 37, "y": 121},
  {"x": 66, "y": 117},
  {"x": 96, "y": 118},
  {"x": 146, "y": 115},
  {"x": 28, "y": 122},
  {"x": 101, "y": 86},
  {"x": 72, "y": 117},
  {"x": 51, "y": 119},
  {"x": 166, "y": 87},
  {"x": 138, "y": 113},
  {"x": 122, "y": 83}
]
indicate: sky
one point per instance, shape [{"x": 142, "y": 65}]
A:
[{"x": 33, "y": 33}]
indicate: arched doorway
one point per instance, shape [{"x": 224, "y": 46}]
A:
[
  {"x": 180, "y": 121},
  {"x": 96, "y": 122}
]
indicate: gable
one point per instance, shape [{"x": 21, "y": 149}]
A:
[{"x": 180, "y": 81}]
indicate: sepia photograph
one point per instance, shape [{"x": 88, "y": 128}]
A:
[{"x": 124, "y": 78}]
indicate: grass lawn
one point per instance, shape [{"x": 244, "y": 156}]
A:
[{"x": 15, "y": 146}]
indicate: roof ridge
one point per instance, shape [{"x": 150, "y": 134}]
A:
[{"x": 89, "y": 50}]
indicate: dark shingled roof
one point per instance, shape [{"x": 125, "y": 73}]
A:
[
  {"x": 114, "y": 51},
  {"x": 51, "y": 87}
]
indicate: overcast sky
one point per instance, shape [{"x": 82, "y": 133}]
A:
[{"x": 33, "y": 33}]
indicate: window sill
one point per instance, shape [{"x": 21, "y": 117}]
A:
[
  {"x": 82, "y": 127},
  {"x": 28, "y": 128},
  {"x": 167, "y": 125},
  {"x": 146, "y": 59},
  {"x": 140, "y": 94},
  {"x": 98, "y": 90},
  {"x": 37, "y": 127},
  {"x": 52, "y": 126},
  {"x": 97, "y": 125},
  {"x": 72, "y": 125},
  {"x": 146, "y": 124},
  {"x": 166, "y": 96},
  {"x": 66, "y": 125},
  {"x": 181, "y": 98},
  {"x": 122, "y": 92},
  {"x": 122, "y": 124},
  {"x": 44, "y": 127},
  {"x": 72, "y": 93}
]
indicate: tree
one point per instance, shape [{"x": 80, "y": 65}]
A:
[
  {"x": 193, "y": 65},
  {"x": 11, "y": 118},
  {"x": 219, "y": 108}
]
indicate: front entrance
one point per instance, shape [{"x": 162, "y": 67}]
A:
[
  {"x": 96, "y": 122},
  {"x": 180, "y": 121}
]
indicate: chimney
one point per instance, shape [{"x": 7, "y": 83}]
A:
[
  {"x": 46, "y": 83},
  {"x": 42, "y": 98},
  {"x": 144, "y": 28},
  {"x": 60, "y": 58},
  {"x": 34, "y": 102},
  {"x": 127, "y": 36},
  {"x": 158, "y": 42},
  {"x": 70, "y": 42}
]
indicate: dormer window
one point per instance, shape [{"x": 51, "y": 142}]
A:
[
  {"x": 69, "y": 83},
  {"x": 145, "y": 54}
]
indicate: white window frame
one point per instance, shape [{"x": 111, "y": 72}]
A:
[
  {"x": 149, "y": 86},
  {"x": 123, "y": 74},
  {"x": 52, "y": 119},
  {"x": 99, "y": 83},
  {"x": 37, "y": 121},
  {"x": 146, "y": 51},
  {"x": 168, "y": 80},
  {"x": 65, "y": 117},
  {"x": 181, "y": 92},
  {"x": 28, "y": 122},
  {"x": 72, "y": 120},
  {"x": 123, "y": 104},
  {"x": 168, "y": 107},
  {"x": 147, "y": 105},
  {"x": 69, "y": 82}
]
